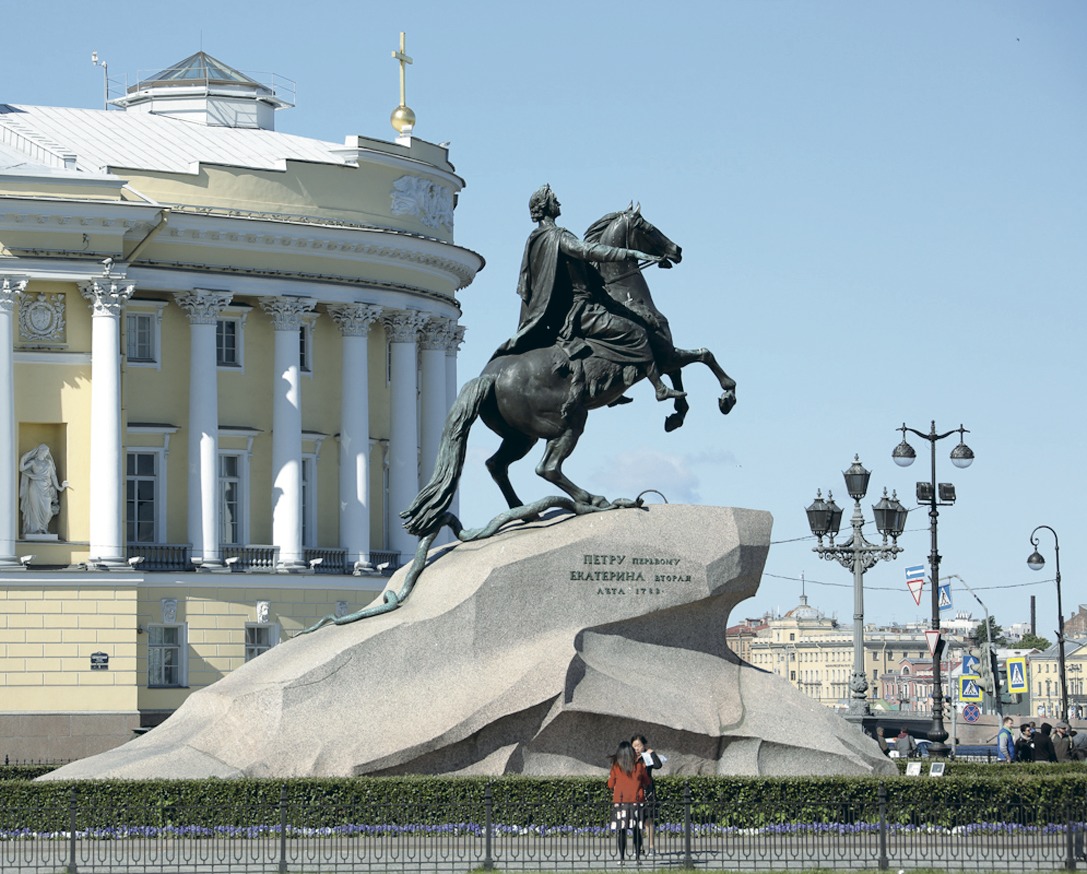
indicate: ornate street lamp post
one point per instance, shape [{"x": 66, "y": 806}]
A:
[
  {"x": 825, "y": 518},
  {"x": 935, "y": 495},
  {"x": 1036, "y": 563}
]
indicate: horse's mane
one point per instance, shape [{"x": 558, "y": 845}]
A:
[{"x": 596, "y": 229}]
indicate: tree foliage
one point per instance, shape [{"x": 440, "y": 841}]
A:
[
  {"x": 1033, "y": 641},
  {"x": 998, "y": 636}
]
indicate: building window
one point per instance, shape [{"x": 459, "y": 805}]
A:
[
  {"x": 140, "y": 337},
  {"x": 228, "y": 342},
  {"x": 309, "y": 500},
  {"x": 231, "y": 498},
  {"x": 165, "y": 648},
  {"x": 259, "y": 638},
  {"x": 792, "y": 636},
  {"x": 305, "y": 343},
  {"x": 143, "y": 333},
  {"x": 141, "y": 497}
]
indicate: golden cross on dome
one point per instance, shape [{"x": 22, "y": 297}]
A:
[{"x": 404, "y": 60}]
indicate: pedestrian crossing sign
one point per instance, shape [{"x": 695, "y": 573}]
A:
[
  {"x": 1017, "y": 674},
  {"x": 944, "y": 596},
  {"x": 970, "y": 688}
]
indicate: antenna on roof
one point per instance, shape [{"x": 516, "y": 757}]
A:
[{"x": 105, "y": 78}]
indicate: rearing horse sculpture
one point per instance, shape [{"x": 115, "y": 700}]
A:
[{"x": 541, "y": 394}]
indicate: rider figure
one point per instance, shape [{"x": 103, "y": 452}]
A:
[{"x": 563, "y": 300}]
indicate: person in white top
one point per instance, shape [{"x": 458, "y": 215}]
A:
[{"x": 652, "y": 761}]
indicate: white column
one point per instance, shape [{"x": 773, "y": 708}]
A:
[
  {"x": 354, "y": 321},
  {"x": 286, "y": 314},
  {"x": 402, "y": 327},
  {"x": 203, "y": 308},
  {"x": 107, "y": 296},
  {"x": 10, "y": 289},
  {"x": 456, "y": 337},
  {"x": 434, "y": 404}
]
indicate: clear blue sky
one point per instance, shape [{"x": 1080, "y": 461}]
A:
[{"x": 882, "y": 208}]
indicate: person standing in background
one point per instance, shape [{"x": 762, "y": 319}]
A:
[
  {"x": 1005, "y": 742},
  {"x": 651, "y": 761},
  {"x": 627, "y": 780}
]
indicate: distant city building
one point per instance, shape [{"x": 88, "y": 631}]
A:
[
  {"x": 1076, "y": 624},
  {"x": 1045, "y": 680},
  {"x": 814, "y": 653},
  {"x": 739, "y": 637}
]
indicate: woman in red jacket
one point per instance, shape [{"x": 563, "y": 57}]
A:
[{"x": 627, "y": 781}]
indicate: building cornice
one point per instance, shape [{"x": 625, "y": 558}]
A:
[
  {"x": 349, "y": 251},
  {"x": 242, "y": 282}
]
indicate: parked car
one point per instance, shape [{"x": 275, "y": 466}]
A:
[{"x": 976, "y": 751}]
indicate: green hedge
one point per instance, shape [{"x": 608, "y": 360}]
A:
[
  {"x": 1025, "y": 795},
  {"x": 24, "y": 772}
]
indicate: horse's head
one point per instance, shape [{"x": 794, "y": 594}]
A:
[{"x": 631, "y": 230}]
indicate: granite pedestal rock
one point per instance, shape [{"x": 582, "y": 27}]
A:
[{"x": 532, "y": 652}]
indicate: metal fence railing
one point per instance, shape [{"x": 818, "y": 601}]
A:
[{"x": 326, "y": 837}]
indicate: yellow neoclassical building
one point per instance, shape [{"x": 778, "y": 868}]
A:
[
  {"x": 226, "y": 355},
  {"x": 814, "y": 653}
]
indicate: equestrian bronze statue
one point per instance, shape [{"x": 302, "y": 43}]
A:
[{"x": 589, "y": 330}]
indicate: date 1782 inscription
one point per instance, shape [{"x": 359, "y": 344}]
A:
[{"x": 624, "y": 573}]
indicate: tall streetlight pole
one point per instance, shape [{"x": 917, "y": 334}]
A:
[
  {"x": 1036, "y": 563},
  {"x": 935, "y": 495},
  {"x": 825, "y": 518}
]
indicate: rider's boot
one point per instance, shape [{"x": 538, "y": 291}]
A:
[{"x": 663, "y": 392}]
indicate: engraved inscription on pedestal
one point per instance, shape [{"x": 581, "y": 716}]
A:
[{"x": 627, "y": 575}]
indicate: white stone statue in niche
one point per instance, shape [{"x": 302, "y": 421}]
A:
[{"x": 39, "y": 490}]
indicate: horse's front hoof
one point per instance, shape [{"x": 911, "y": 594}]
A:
[
  {"x": 672, "y": 422},
  {"x": 726, "y": 402}
]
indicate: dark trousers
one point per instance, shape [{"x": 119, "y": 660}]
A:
[{"x": 621, "y": 838}]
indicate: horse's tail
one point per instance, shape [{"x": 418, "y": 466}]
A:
[{"x": 424, "y": 516}]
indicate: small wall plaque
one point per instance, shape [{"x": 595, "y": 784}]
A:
[{"x": 99, "y": 661}]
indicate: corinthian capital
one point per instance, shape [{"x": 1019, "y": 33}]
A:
[
  {"x": 203, "y": 307},
  {"x": 402, "y": 326},
  {"x": 10, "y": 289},
  {"x": 437, "y": 334},
  {"x": 456, "y": 337},
  {"x": 286, "y": 312},
  {"x": 107, "y": 295},
  {"x": 354, "y": 319}
]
